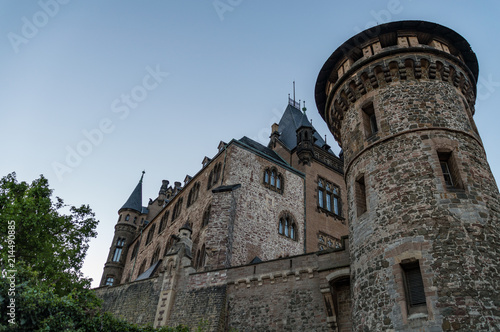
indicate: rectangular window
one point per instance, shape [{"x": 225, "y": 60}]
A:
[
  {"x": 369, "y": 120},
  {"x": 450, "y": 172},
  {"x": 360, "y": 191},
  {"x": 414, "y": 287},
  {"x": 328, "y": 196}
]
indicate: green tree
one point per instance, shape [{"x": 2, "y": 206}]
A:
[{"x": 49, "y": 242}]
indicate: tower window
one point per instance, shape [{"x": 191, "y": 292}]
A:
[
  {"x": 450, "y": 172},
  {"x": 109, "y": 281},
  {"x": 127, "y": 218},
  {"x": 414, "y": 287},
  {"x": 369, "y": 120},
  {"x": 329, "y": 197},
  {"x": 118, "y": 250},
  {"x": 119, "y": 217},
  {"x": 360, "y": 192}
]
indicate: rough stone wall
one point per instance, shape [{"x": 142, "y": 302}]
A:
[
  {"x": 411, "y": 214},
  {"x": 282, "y": 295},
  {"x": 259, "y": 208},
  {"x": 135, "y": 302},
  {"x": 201, "y": 301}
]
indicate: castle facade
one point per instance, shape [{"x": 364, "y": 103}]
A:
[{"x": 398, "y": 233}]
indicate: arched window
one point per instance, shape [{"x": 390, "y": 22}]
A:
[
  {"x": 142, "y": 268},
  {"x": 150, "y": 234},
  {"x": 127, "y": 218},
  {"x": 170, "y": 243},
  {"x": 118, "y": 249},
  {"x": 193, "y": 194},
  {"x": 135, "y": 251},
  {"x": 287, "y": 227},
  {"x": 214, "y": 176},
  {"x": 163, "y": 222},
  {"x": 206, "y": 216},
  {"x": 119, "y": 217},
  {"x": 273, "y": 179},
  {"x": 177, "y": 209},
  {"x": 135, "y": 220},
  {"x": 200, "y": 258},
  {"x": 156, "y": 256}
]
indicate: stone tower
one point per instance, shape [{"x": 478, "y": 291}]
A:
[
  {"x": 423, "y": 203},
  {"x": 126, "y": 228}
]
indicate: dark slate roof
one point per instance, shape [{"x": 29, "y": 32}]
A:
[
  {"x": 149, "y": 272},
  {"x": 291, "y": 120},
  {"x": 134, "y": 202},
  {"x": 304, "y": 122},
  {"x": 222, "y": 189},
  {"x": 261, "y": 148}
]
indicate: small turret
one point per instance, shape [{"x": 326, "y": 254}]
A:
[
  {"x": 125, "y": 230},
  {"x": 305, "y": 140}
]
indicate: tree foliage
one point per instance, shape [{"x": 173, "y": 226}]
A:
[
  {"x": 41, "y": 254},
  {"x": 50, "y": 242}
]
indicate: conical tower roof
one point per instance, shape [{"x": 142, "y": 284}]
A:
[{"x": 134, "y": 202}]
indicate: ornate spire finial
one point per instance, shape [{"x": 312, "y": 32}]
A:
[
  {"x": 142, "y": 176},
  {"x": 304, "y": 109}
]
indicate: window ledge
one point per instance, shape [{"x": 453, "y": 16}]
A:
[
  {"x": 418, "y": 315},
  {"x": 330, "y": 213}
]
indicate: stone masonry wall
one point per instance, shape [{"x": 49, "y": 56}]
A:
[
  {"x": 259, "y": 208},
  {"x": 135, "y": 302},
  {"x": 411, "y": 214},
  {"x": 283, "y": 295}
]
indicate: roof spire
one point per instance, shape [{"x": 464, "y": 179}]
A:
[
  {"x": 134, "y": 202},
  {"x": 304, "y": 109},
  {"x": 293, "y": 90}
]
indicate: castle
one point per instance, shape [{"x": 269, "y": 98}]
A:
[{"x": 400, "y": 232}]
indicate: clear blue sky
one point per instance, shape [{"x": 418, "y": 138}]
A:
[{"x": 221, "y": 70}]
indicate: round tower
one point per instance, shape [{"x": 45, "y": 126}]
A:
[
  {"x": 129, "y": 219},
  {"x": 423, "y": 203}
]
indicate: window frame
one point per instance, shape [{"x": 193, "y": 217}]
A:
[
  {"x": 273, "y": 180},
  {"x": 329, "y": 199},
  {"x": 414, "y": 287},
  {"x": 287, "y": 227}
]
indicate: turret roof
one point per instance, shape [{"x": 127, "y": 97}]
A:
[
  {"x": 292, "y": 120},
  {"x": 134, "y": 202}
]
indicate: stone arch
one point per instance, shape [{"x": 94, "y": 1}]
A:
[
  {"x": 410, "y": 68},
  {"x": 341, "y": 273},
  {"x": 394, "y": 70}
]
